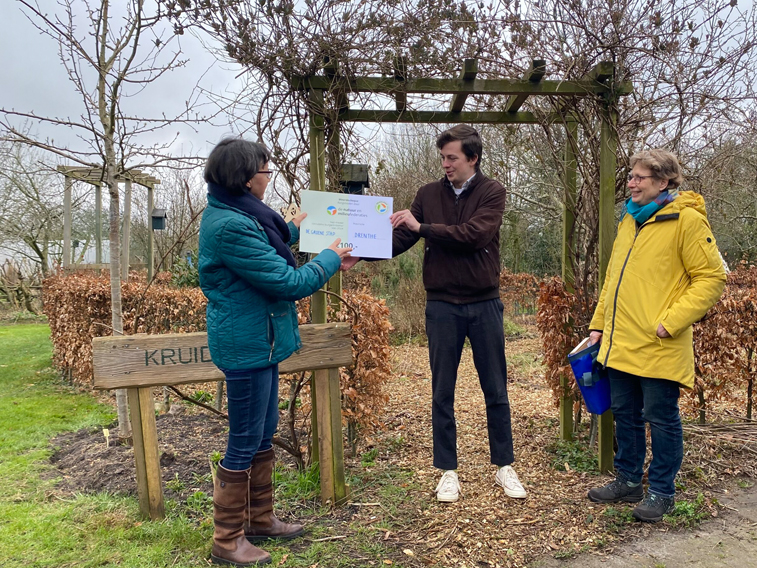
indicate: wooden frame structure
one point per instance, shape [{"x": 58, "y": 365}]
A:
[
  {"x": 141, "y": 362},
  {"x": 599, "y": 82},
  {"x": 94, "y": 176}
]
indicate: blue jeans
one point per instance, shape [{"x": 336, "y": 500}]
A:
[
  {"x": 636, "y": 400},
  {"x": 253, "y": 396}
]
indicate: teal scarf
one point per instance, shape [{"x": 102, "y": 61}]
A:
[{"x": 642, "y": 213}]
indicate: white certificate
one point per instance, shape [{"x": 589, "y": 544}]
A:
[{"x": 361, "y": 221}]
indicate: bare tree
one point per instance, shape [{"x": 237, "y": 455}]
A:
[{"x": 118, "y": 53}]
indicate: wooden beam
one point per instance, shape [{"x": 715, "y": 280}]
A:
[
  {"x": 608, "y": 162},
  {"x": 569, "y": 221},
  {"x": 453, "y": 86},
  {"x": 400, "y": 75},
  {"x": 126, "y": 232},
  {"x": 178, "y": 358},
  {"x": 99, "y": 224},
  {"x": 426, "y": 117},
  {"x": 330, "y": 447},
  {"x": 534, "y": 75},
  {"x": 150, "y": 236},
  {"x": 601, "y": 72},
  {"x": 467, "y": 75},
  {"x": 146, "y": 453},
  {"x": 94, "y": 176},
  {"x": 67, "y": 222}
]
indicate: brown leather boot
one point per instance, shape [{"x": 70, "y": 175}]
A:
[
  {"x": 230, "y": 496},
  {"x": 261, "y": 523}
]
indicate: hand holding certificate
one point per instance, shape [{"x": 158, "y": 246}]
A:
[{"x": 361, "y": 221}]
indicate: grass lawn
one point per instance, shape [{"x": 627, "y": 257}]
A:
[{"x": 42, "y": 526}]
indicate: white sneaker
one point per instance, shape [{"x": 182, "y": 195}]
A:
[
  {"x": 508, "y": 479},
  {"x": 448, "y": 490}
]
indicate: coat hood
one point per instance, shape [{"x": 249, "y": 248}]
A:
[{"x": 687, "y": 199}]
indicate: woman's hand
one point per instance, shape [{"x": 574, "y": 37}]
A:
[
  {"x": 662, "y": 332},
  {"x": 297, "y": 220},
  {"x": 595, "y": 337},
  {"x": 343, "y": 252}
]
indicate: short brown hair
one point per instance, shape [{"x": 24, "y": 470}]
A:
[
  {"x": 663, "y": 165},
  {"x": 470, "y": 141}
]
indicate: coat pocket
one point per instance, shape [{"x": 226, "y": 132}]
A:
[{"x": 280, "y": 329}]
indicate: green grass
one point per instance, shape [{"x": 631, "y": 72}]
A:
[
  {"x": 575, "y": 454},
  {"x": 41, "y": 526},
  {"x": 688, "y": 513}
]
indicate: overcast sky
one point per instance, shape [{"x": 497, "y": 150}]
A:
[{"x": 34, "y": 80}]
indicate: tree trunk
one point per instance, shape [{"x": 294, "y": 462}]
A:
[{"x": 116, "y": 313}]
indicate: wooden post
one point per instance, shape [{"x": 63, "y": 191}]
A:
[
  {"x": 318, "y": 300},
  {"x": 146, "y": 453},
  {"x": 67, "y": 222},
  {"x": 569, "y": 221},
  {"x": 98, "y": 224},
  {"x": 326, "y": 417},
  {"x": 126, "y": 232},
  {"x": 150, "y": 237},
  {"x": 608, "y": 162}
]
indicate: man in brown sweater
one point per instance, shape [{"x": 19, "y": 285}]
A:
[{"x": 459, "y": 218}]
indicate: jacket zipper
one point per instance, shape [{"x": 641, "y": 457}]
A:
[
  {"x": 615, "y": 300},
  {"x": 620, "y": 279},
  {"x": 273, "y": 342}
]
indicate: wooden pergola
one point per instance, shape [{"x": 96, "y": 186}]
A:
[
  {"x": 95, "y": 177},
  {"x": 599, "y": 82}
]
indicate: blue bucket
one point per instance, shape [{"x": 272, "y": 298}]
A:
[{"x": 592, "y": 379}]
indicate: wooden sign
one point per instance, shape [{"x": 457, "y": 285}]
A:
[{"x": 178, "y": 358}]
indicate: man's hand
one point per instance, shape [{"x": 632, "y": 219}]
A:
[
  {"x": 405, "y": 218},
  {"x": 662, "y": 332},
  {"x": 298, "y": 219},
  {"x": 595, "y": 337},
  {"x": 349, "y": 262}
]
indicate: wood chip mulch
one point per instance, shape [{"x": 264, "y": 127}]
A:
[{"x": 485, "y": 527}]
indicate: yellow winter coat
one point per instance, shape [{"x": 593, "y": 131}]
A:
[{"x": 667, "y": 271}]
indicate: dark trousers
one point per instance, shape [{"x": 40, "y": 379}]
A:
[
  {"x": 636, "y": 400},
  {"x": 447, "y": 326},
  {"x": 253, "y": 396}
]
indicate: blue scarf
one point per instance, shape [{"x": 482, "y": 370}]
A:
[
  {"x": 642, "y": 213},
  {"x": 273, "y": 224}
]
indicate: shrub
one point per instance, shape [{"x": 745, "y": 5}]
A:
[{"x": 78, "y": 309}]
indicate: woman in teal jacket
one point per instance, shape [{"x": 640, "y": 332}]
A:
[{"x": 251, "y": 280}]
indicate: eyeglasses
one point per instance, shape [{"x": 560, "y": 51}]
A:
[
  {"x": 637, "y": 179},
  {"x": 269, "y": 173}
]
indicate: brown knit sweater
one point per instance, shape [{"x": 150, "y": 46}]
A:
[{"x": 461, "y": 258}]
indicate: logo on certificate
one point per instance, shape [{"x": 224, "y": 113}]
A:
[
  {"x": 331, "y": 210},
  {"x": 382, "y": 207}
]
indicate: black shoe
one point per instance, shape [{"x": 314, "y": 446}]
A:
[
  {"x": 615, "y": 492},
  {"x": 653, "y": 508}
]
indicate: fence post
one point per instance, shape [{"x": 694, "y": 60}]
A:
[{"x": 146, "y": 452}]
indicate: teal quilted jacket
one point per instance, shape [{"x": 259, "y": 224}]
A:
[{"x": 251, "y": 316}]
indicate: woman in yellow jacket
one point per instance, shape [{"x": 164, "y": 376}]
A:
[{"x": 665, "y": 272}]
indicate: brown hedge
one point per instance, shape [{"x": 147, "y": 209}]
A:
[{"x": 78, "y": 309}]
